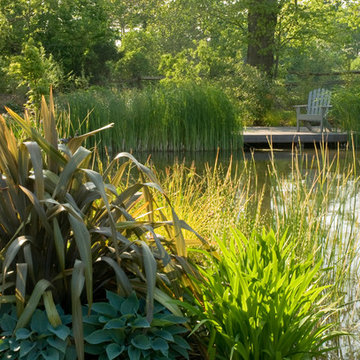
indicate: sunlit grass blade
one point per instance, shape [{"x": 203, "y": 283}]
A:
[
  {"x": 50, "y": 308},
  {"x": 20, "y": 291}
]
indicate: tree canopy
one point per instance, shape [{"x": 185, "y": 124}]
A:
[{"x": 111, "y": 41}]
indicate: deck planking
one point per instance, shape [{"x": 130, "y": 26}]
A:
[{"x": 255, "y": 136}]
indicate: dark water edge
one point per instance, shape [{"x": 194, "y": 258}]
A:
[{"x": 262, "y": 158}]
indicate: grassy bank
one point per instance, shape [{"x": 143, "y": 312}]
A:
[{"x": 167, "y": 117}]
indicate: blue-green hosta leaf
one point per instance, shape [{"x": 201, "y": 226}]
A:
[
  {"x": 7, "y": 324},
  {"x": 26, "y": 347},
  {"x": 116, "y": 324},
  {"x": 104, "y": 308},
  {"x": 22, "y": 334},
  {"x": 89, "y": 329},
  {"x": 104, "y": 319},
  {"x": 134, "y": 353},
  {"x": 166, "y": 335},
  {"x": 114, "y": 350},
  {"x": 175, "y": 329},
  {"x": 50, "y": 354},
  {"x": 130, "y": 306},
  {"x": 140, "y": 322},
  {"x": 90, "y": 319},
  {"x": 98, "y": 337},
  {"x": 94, "y": 349},
  {"x": 141, "y": 342},
  {"x": 160, "y": 344},
  {"x": 119, "y": 336},
  {"x": 39, "y": 322},
  {"x": 62, "y": 331},
  {"x": 114, "y": 299},
  {"x": 58, "y": 344}
]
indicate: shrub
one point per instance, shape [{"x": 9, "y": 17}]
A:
[
  {"x": 259, "y": 302},
  {"x": 35, "y": 71}
]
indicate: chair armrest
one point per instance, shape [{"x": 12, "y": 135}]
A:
[
  {"x": 326, "y": 106},
  {"x": 300, "y": 106}
]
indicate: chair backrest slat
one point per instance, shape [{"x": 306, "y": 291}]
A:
[{"x": 318, "y": 98}]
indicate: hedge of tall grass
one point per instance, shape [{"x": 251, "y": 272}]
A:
[{"x": 165, "y": 117}]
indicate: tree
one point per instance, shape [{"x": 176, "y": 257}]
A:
[
  {"x": 262, "y": 21},
  {"x": 78, "y": 33}
]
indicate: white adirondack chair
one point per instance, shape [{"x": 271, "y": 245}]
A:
[{"x": 316, "y": 109}]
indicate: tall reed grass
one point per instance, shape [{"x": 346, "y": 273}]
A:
[
  {"x": 315, "y": 203},
  {"x": 167, "y": 117}
]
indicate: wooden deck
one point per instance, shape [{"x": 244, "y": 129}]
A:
[{"x": 286, "y": 136}]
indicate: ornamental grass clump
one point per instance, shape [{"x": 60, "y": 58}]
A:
[
  {"x": 258, "y": 301},
  {"x": 67, "y": 233}
]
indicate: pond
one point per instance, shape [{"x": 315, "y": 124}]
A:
[{"x": 312, "y": 194}]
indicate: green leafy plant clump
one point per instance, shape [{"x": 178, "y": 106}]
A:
[
  {"x": 119, "y": 329},
  {"x": 258, "y": 301},
  {"x": 38, "y": 340},
  {"x": 68, "y": 232}
]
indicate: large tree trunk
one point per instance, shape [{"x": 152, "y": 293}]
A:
[{"x": 262, "y": 19}]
